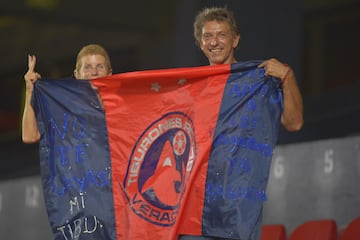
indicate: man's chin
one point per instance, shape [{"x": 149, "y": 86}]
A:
[{"x": 216, "y": 62}]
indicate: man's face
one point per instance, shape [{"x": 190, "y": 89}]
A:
[
  {"x": 92, "y": 66},
  {"x": 218, "y": 42}
]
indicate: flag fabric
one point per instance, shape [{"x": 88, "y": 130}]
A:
[
  {"x": 74, "y": 160},
  {"x": 159, "y": 153}
]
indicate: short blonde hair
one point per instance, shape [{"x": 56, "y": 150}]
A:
[{"x": 92, "y": 49}]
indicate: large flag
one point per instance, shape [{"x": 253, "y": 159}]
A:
[{"x": 160, "y": 153}]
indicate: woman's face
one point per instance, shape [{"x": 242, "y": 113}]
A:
[{"x": 92, "y": 66}]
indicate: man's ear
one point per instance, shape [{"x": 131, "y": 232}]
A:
[{"x": 236, "y": 41}]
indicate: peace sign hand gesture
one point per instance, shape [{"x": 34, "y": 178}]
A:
[{"x": 31, "y": 76}]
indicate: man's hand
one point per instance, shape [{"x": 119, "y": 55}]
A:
[{"x": 275, "y": 68}]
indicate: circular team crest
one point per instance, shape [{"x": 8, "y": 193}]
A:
[{"x": 159, "y": 167}]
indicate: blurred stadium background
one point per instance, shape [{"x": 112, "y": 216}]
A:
[{"x": 315, "y": 172}]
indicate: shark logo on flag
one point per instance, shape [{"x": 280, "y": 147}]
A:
[
  {"x": 163, "y": 153},
  {"x": 159, "y": 166}
]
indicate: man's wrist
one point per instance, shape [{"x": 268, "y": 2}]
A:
[{"x": 286, "y": 75}]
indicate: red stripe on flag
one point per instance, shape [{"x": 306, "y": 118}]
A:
[{"x": 136, "y": 105}]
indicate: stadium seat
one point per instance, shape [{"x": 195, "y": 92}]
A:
[
  {"x": 315, "y": 230},
  {"x": 352, "y": 231},
  {"x": 273, "y": 232}
]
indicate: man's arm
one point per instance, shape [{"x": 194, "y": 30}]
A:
[
  {"x": 292, "y": 115},
  {"x": 30, "y": 131}
]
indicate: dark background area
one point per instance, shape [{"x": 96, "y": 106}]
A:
[
  {"x": 314, "y": 172},
  {"x": 319, "y": 39}
]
